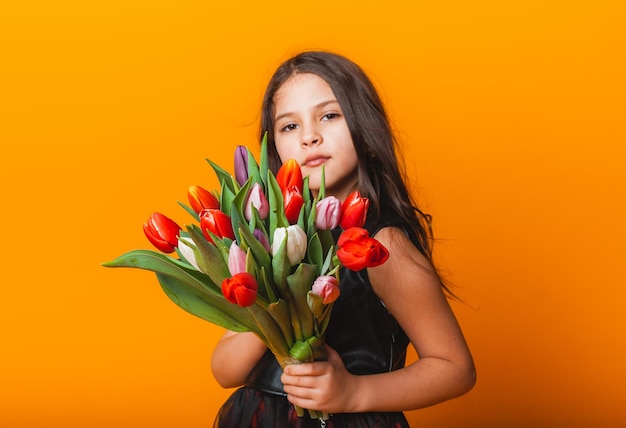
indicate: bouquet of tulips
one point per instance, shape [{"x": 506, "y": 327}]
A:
[{"x": 260, "y": 255}]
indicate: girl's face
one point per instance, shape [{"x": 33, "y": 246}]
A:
[{"x": 310, "y": 128}]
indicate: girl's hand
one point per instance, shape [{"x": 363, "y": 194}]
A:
[{"x": 321, "y": 385}]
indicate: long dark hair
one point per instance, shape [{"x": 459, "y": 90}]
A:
[{"x": 380, "y": 177}]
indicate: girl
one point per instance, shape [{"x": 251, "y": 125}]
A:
[{"x": 321, "y": 109}]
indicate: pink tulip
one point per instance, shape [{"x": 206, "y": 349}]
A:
[
  {"x": 326, "y": 287},
  {"x": 256, "y": 199},
  {"x": 328, "y": 213},
  {"x": 236, "y": 259}
]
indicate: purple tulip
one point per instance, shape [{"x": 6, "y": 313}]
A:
[
  {"x": 236, "y": 259},
  {"x": 262, "y": 238},
  {"x": 241, "y": 164},
  {"x": 256, "y": 199},
  {"x": 328, "y": 213}
]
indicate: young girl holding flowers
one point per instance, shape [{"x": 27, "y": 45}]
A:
[{"x": 321, "y": 110}]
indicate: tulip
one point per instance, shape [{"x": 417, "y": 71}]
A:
[
  {"x": 354, "y": 211},
  {"x": 262, "y": 238},
  {"x": 240, "y": 289},
  {"x": 236, "y": 259},
  {"x": 326, "y": 287},
  {"x": 186, "y": 248},
  {"x": 201, "y": 199},
  {"x": 328, "y": 213},
  {"x": 296, "y": 242},
  {"x": 217, "y": 223},
  {"x": 241, "y": 165},
  {"x": 356, "y": 250},
  {"x": 289, "y": 174},
  {"x": 293, "y": 203},
  {"x": 256, "y": 199},
  {"x": 162, "y": 232}
]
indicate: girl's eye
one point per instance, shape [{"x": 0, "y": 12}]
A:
[
  {"x": 330, "y": 116},
  {"x": 288, "y": 127}
]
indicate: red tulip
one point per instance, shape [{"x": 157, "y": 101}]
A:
[
  {"x": 240, "y": 289},
  {"x": 289, "y": 175},
  {"x": 356, "y": 250},
  {"x": 201, "y": 199},
  {"x": 162, "y": 232},
  {"x": 293, "y": 204},
  {"x": 354, "y": 211},
  {"x": 217, "y": 223}
]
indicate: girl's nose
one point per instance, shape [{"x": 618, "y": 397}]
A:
[{"x": 311, "y": 137}]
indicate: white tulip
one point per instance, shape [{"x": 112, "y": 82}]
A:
[
  {"x": 186, "y": 247},
  {"x": 296, "y": 242}
]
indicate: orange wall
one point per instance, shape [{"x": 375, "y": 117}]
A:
[{"x": 510, "y": 112}]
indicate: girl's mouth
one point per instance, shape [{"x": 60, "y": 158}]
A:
[{"x": 314, "y": 161}]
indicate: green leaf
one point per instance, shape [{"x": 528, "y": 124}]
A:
[
  {"x": 316, "y": 303},
  {"x": 314, "y": 250},
  {"x": 237, "y": 207},
  {"x": 301, "y": 216},
  {"x": 193, "y": 290},
  {"x": 279, "y": 310},
  {"x": 322, "y": 321},
  {"x": 300, "y": 283},
  {"x": 190, "y": 211},
  {"x": 327, "y": 261},
  {"x": 270, "y": 290},
  {"x": 277, "y": 215},
  {"x": 311, "y": 349},
  {"x": 322, "y": 193},
  {"x": 253, "y": 169},
  {"x": 327, "y": 240},
  {"x": 271, "y": 331},
  {"x": 208, "y": 257},
  {"x": 264, "y": 166},
  {"x": 226, "y": 198},
  {"x": 198, "y": 304},
  {"x": 306, "y": 191},
  {"x": 258, "y": 250},
  {"x": 281, "y": 267},
  {"x": 224, "y": 177}
]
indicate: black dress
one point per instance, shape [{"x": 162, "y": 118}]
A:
[{"x": 361, "y": 330}]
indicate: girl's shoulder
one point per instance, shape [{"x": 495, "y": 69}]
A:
[{"x": 390, "y": 219}]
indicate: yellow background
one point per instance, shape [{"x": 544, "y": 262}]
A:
[{"x": 512, "y": 116}]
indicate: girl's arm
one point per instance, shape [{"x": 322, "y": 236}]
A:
[
  {"x": 413, "y": 294},
  {"x": 234, "y": 357}
]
